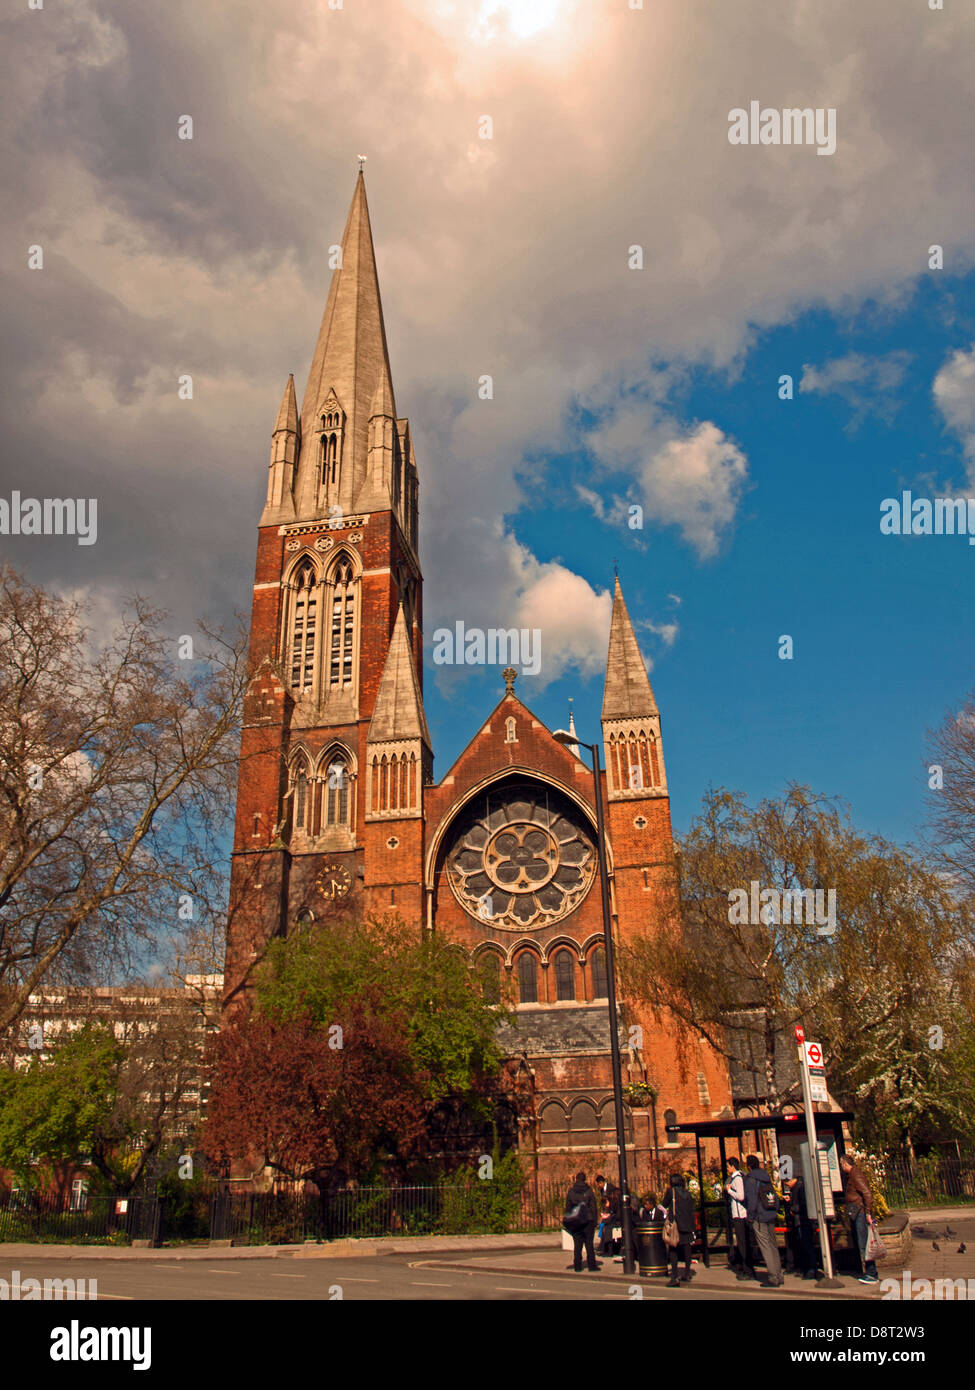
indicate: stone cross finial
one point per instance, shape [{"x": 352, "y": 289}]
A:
[{"x": 509, "y": 674}]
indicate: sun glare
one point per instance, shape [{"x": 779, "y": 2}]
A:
[{"x": 522, "y": 18}]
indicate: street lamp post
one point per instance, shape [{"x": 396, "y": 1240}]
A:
[{"x": 564, "y": 737}]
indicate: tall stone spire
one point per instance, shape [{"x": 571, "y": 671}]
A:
[
  {"x": 627, "y": 690},
  {"x": 398, "y": 714},
  {"x": 349, "y": 369}
]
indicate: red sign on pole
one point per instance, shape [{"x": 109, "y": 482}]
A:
[
  {"x": 814, "y": 1054},
  {"x": 800, "y": 1033}
]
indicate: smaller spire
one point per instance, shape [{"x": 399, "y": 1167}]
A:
[
  {"x": 398, "y": 713},
  {"x": 627, "y": 691},
  {"x": 288, "y": 409},
  {"x": 510, "y": 675},
  {"x": 573, "y": 747}
]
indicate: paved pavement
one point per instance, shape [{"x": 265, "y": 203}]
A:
[
  {"x": 377, "y": 1278},
  {"x": 443, "y": 1267}
]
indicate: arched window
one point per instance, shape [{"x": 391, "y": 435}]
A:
[
  {"x": 527, "y": 978},
  {"x": 565, "y": 976},
  {"x": 509, "y": 737},
  {"x": 489, "y": 969},
  {"x": 670, "y": 1125},
  {"x": 342, "y": 635},
  {"x": 303, "y": 627},
  {"x": 337, "y": 791},
  {"x": 600, "y": 988},
  {"x": 585, "y": 1125},
  {"x": 301, "y": 790}
]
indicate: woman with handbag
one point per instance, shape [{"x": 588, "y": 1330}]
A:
[{"x": 678, "y": 1228}]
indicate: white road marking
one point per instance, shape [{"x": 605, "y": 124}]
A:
[
  {"x": 422, "y": 1284},
  {"x": 128, "y": 1297},
  {"x": 287, "y": 1276}
]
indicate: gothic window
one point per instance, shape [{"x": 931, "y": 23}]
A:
[
  {"x": 303, "y": 625},
  {"x": 554, "y": 1124},
  {"x": 527, "y": 978},
  {"x": 600, "y": 989},
  {"x": 489, "y": 970},
  {"x": 342, "y": 631},
  {"x": 509, "y": 736},
  {"x": 670, "y": 1125},
  {"x": 337, "y": 791},
  {"x": 301, "y": 796},
  {"x": 565, "y": 976},
  {"x": 585, "y": 1126}
]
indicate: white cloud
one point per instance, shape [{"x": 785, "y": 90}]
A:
[
  {"x": 865, "y": 383},
  {"x": 954, "y": 391}
]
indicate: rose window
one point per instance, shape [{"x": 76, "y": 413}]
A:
[{"x": 522, "y": 857}]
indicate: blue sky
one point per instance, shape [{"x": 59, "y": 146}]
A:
[{"x": 881, "y": 624}]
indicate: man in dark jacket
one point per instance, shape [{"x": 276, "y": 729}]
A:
[
  {"x": 679, "y": 1206},
  {"x": 859, "y": 1211},
  {"x": 797, "y": 1219},
  {"x": 762, "y": 1211},
  {"x": 581, "y": 1194}
]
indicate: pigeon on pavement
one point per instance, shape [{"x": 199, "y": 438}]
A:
[{"x": 961, "y": 1249}]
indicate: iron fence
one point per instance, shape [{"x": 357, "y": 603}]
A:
[
  {"x": 451, "y": 1207},
  {"x": 928, "y": 1181}
]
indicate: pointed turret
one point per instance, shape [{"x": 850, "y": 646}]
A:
[
  {"x": 285, "y": 442},
  {"x": 627, "y": 690},
  {"x": 399, "y": 757},
  {"x": 630, "y": 718},
  {"x": 350, "y": 368},
  {"x": 398, "y": 713},
  {"x": 573, "y": 747}
]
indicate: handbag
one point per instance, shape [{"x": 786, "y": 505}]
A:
[
  {"x": 875, "y": 1248},
  {"x": 671, "y": 1235}
]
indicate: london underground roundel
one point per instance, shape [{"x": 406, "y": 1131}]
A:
[{"x": 521, "y": 856}]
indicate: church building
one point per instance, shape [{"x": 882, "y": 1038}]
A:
[{"x": 337, "y": 796}]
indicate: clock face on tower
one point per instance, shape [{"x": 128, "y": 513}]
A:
[
  {"x": 521, "y": 856},
  {"x": 334, "y": 881}
]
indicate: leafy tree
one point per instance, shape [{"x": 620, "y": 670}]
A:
[
  {"x": 52, "y": 1113},
  {"x": 360, "y": 1030},
  {"x": 390, "y": 969},
  {"x": 110, "y": 1103},
  {"x": 872, "y": 988},
  {"x": 308, "y": 1110}
]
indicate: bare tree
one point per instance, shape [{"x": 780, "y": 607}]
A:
[
  {"x": 951, "y": 792},
  {"x": 117, "y": 773}
]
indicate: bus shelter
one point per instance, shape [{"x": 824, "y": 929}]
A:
[{"x": 741, "y": 1137}]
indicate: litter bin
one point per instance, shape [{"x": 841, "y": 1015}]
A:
[{"x": 653, "y": 1252}]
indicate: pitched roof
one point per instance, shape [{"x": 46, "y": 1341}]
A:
[
  {"x": 399, "y": 705},
  {"x": 627, "y": 690}
]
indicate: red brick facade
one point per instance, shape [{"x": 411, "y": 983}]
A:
[{"x": 336, "y": 794}]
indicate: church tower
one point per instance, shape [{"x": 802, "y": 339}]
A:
[{"x": 335, "y": 752}]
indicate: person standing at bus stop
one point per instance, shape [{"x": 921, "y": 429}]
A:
[
  {"x": 762, "y": 1205},
  {"x": 859, "y": 1211},
  {"x": 738, "y": 1258}
]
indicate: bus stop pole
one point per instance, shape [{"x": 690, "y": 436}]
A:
[{"x": 817, "y": 1175}]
